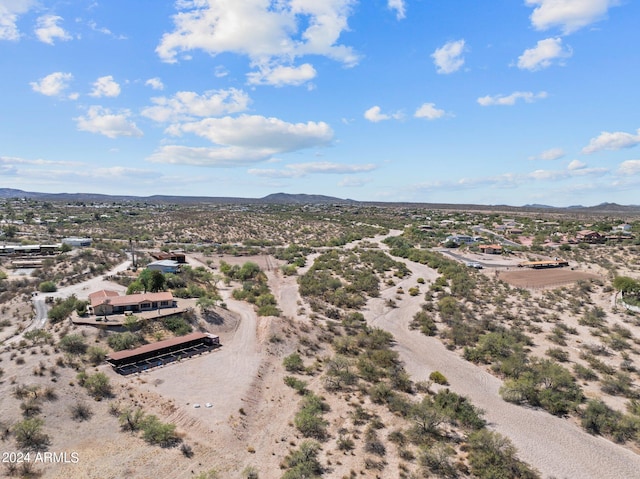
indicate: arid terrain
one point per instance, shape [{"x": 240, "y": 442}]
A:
[{"x": 330, "y": 341}]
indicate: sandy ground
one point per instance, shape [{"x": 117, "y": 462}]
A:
[
  {"x": 249, "y": 421},
  {"x": 556, "y": 447}
]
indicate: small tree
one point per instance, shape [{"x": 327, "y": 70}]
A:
[
  {"x": 98, "y": 386},
  {"x": 73, "y": 344},
  {"x": 47, "y": 287},
  {"x": 29, "y": 435}
]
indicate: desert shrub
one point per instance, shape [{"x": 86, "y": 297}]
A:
[
  {"x": 293, "y": 363},
  {"x": 47, "y": 287},
  {"x": 96, "y": 354},
  {"x": 492, "y": 456},
  {"x": 131, "y": 419},
  {"x": 73, "y": 344},
  {"x": 438, "y": 378},
  {"x": 458, "y": 409},
  {"x": 425, "y": 323},
  {"x": 177, "y": 325},
  {"x": 81, "y": 411},
  {"x": 599, "y": 419},
  {"x": 29, "y": 436},
  {"x": 155, "y": 431},
  {"x": 309, "y": 419},
  {"x": 303, "y": 463},
  {"x": 438, "y": 460},
  {"x": 558, "y": 354},
  {"x": 544, "y": 384},
  {"x": 97, "y": 385},
  {"x": 122, "y": 341},
  {"x": 297, "y": 384}
]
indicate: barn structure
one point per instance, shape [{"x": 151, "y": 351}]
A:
[{"x": 162, "y": 352}]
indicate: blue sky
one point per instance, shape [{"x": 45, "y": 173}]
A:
[{"x": 496, "y": 102}]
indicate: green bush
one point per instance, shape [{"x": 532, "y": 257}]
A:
[
  {"x": 438, "y": 378},
  {"x": 177, "y": 325},
  {"x": 122, "y": 341},
  {"x": 293, "y": 363},
  {"x": 155, "y": 431},
  {"x": 47, "y": 287},
  {"x": 73, "y": 344},
  {"x": 29, "y": 435},
  {"x": 492, "y": 456}
]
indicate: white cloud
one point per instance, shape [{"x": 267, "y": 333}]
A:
[
  {"x": 399, "y": 6},
  {"x": 629, "y": 168},
  {"x": 53, "y": 84},
  {"x": 105, "y": 86},
  {"x": 576, "y": 165},
  {"x": 48, "y": 30},
  {"x": 429, "y": 111},
  {"x": 282, "y": 75},
  {"x": 265, "y": 31},
  {"x": 303, "y": 169},
  {"x": 612, "y": 141},
  {"x": 509, "y": 100},
  {"x": 9, "y": 13},
  {"x": 112, "y": 125},
  {"x": 353, "y": 182},
  {"x": 543, "y": 54},
  {"x": 448, "y": 58},
  {"x": 570, "y": 15},
  {"x": 375, "y": 115},
  {"x": 155, "y": 83},
  {"x": 549, "y": 155},
  {"x": 242, "y": 140},
  {"x": 187, "y": 105}
]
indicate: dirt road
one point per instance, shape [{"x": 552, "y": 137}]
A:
[{"x": 555, "y": 446}]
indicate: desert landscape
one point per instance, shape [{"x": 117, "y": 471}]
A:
[{"x": 355, "y": 341}]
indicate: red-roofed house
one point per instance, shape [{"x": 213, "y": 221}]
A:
[{"x": 107, "y": 302}]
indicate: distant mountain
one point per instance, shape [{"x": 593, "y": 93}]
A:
[
  {"x": 276, "y": 198},
  {"x": 286, "y": 198},
  {"x": 302, "y": 199}
]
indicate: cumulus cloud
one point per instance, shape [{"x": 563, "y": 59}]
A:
[
  {"x": 282, "y": 75},
  {"x": 448, "y": 58},
  {"x": 267, "y": 32},
  {"x": 510, "y": 100},
  {"x": 9, "y": 13},
  {"x": 241, "y": 140},
  {"x": 188, "y": 104},
  {"x": 612, "y": 141},
  {"x": 353, "y": 182},
  {"x": 374, "y": 114},
  {"x": 105, "y": 86},
  {"x": 155, "y": 83},
  {"x": 53, "y": 84},
  {"x": 103, "y": 121},
  {"x": 629, "y": 168},
  {"x": 514, "y": 180},
  {"x": 399, "y": 7},
  {"x": 48, "y": 30},
  {"x": 576, "y": 165},
  {"x": 429, "y": 111},
  {"x": 569, "y": 15},
  {"x": 304, "y": 169},
  {"x": 544, "y": 54},
  {"x": 549, "y": 155}
]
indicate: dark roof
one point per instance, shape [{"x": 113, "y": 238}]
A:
[{"x": 160, "y": 345}]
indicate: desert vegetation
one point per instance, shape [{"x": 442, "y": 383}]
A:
[{"x": 296, "y": 293}]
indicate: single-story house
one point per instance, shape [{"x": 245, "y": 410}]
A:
[
  {"x": 589, "y": 236},
  {"x": 490, "y": 248},
  {"x": 164, "y": 266},
  {"x": 107, "y": 302}
]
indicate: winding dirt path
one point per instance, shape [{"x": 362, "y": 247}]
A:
[{"x": 555, "y": 446}]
